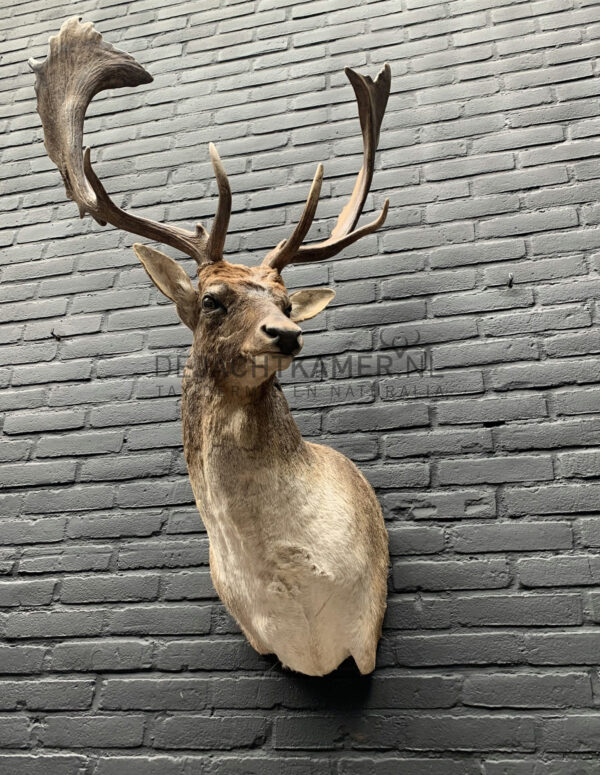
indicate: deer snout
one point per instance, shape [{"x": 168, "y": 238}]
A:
[{"x": 287, "y": 338}]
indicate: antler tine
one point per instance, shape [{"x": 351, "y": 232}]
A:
[
  {"x": 286, "y": 250},
  {"x": 371, "y": 97},
  {"x": 79, "y": 65},
  {"x": 216, "y": 241}
]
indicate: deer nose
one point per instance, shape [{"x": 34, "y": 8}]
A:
[{"x": 288, "y": 340}]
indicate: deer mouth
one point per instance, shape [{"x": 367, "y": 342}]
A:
[
  {"x": 270, "y": 361},
  {"x": 275, "y": 355}
]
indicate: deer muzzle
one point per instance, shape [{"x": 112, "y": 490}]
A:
[{"x": 285, "y": 339}]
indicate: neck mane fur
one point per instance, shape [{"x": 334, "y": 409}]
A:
[{"x": 252, "y": 427}]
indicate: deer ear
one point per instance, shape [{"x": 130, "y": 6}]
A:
[
  {"x": 309, "y": 302},
  {"x": 172, "y": 280}
]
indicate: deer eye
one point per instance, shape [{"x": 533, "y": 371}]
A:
[
  {"x": 209, "y": 303},
  {"x": 288, "y": 311}
]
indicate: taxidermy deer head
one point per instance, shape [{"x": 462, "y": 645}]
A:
[{"x": 298, "y": 545}]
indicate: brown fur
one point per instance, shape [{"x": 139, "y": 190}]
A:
[
  {"x": 245, "y": 453},
  {"x": 298, "y": 544}
]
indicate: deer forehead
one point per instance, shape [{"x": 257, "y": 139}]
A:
[{"x": 241, "y": 280}]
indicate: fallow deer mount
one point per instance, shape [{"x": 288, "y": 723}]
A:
[{"x": 298, "y": 546}]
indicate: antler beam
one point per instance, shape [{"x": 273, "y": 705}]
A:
[
  {"x": 81, "y": 64},
  {"x": 371, "y": 97}
]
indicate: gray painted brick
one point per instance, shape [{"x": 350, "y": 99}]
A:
[
  {"x": 414, "y": 239},
  {"x": 104, "y": 654},
  {"x": 15, "y": 733},
  {"x": 29, "y": 422},
  {"x": 426, "y": 385},
  {"x": 425, "y": 331},
  {"x": 154, "y": 694},
  {"x": 376, "y": 418},
  {"x": 210, "y": 732},
  {"x": 486, "y": 470},
  {"x": 482, "y": 301},
  {"x": 22, "y": 531},
  {"x": 568, "y": 571},
  {"x": 414, "y": 612},
  {"x": 528, "y": 691},
  {"x": 148, "y": 620},
  {"x": 193, "y": 585},
  {"x": 95, "y": 392},
  {"x": 99, "y": 732},
  {"x": 114, "y": 525},
  {"x": 475, "y": 165},
  {"x": 409, "y": 766},
  {"x": 90, "y": 589},
  {"x": 33, "y": 474},
  {"x": 545, "y": 374},
  {"x": 402, "y": 475},
  {"x": 22, "y": 659},
  {"x": 54, "y": 624},
  {"x": 51, "y": 372},
  {"x": 579, "y": 464},
  {"x": 79, "y": 444},
  {"x": 477, "y": 353},
  {"x": 109, "y": 344},
  {"x": 520, "y": 610},
  {"x": 416, "y": 540},
  {"x": 588, "y": 532},
  {"x": 550, "y": 499},
  {"x": 450, "y": 574},
  {"x": 26, "y": 593},
  {"x": 501, "y": 250},
  {"x": 70, "y": 559},
  {"x": 512, "y": 537},
  {"x": 169, "y": 555},
  {"x": 565, "y": 345},
  {"x": 512, "y": 101},
  {"x": 139, "y": 765},
  {"x": 561, "y": 648},
  {"x": 494, "y": 648},
  {"x": 429, "y": 283},
  {"x": 70, "y": 499},
  {"x": 519, "y": 180},
  {"x": 413, "y": 443},
  {"x": 534, "y": 271},
  {"x": 559, "y": 734},
  {"x": 459, "y": 209},
  {"x": 495, "y": 470},
  {"x": 134, "y": 413},
  {"x": 491, "y": 410},
  {"x": 32, "y": 310},
  {"x": 509, "y": 225},
  {"x": 548, "y": 435},
  {"x": 114, "y": 468},
  {"x": 567, "y": 111},
  {"x": 508, "y": 324}
]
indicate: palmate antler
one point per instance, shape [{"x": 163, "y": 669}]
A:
[
  {"x": 372, "y": 97},
  {"x": 81, "y": 64}
]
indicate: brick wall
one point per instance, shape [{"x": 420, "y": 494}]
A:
[{"x": 482, "y": 438}]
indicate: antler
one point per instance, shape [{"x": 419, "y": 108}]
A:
[
  {"x": 372, "y": 97},
  {"x": 81, "y": 64}
]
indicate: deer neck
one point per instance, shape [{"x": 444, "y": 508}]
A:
[
  {"x": 221, "y": 427},
  {"x": 240, "y": 450}
]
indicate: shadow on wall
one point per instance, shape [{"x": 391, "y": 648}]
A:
[{"x": 344, "y": 690}]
